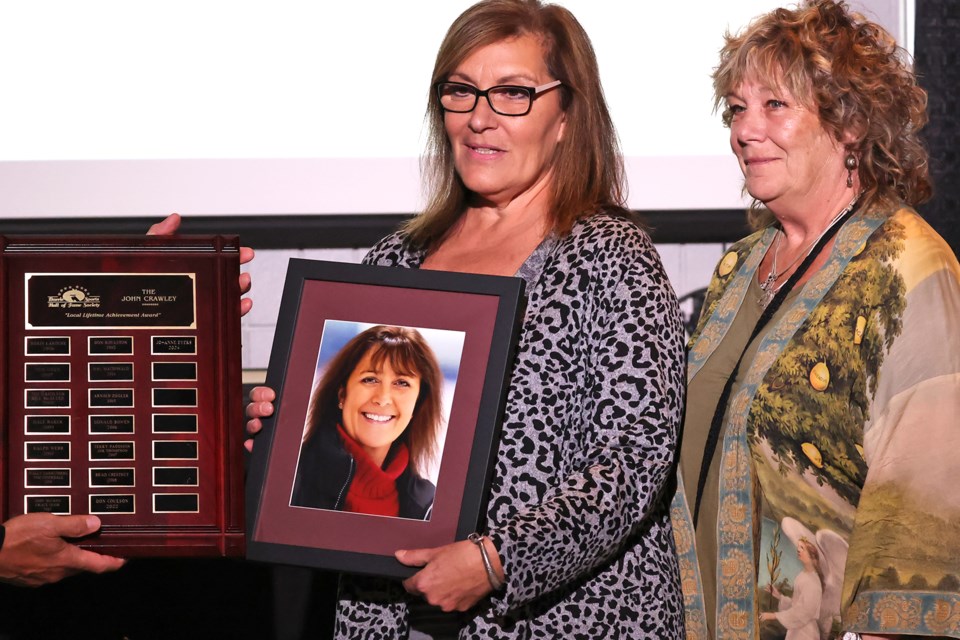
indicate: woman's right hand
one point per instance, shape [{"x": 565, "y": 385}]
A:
[{"x": 261, "y": 406}]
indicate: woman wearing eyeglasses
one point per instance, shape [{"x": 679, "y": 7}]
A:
[{"x": 525, "y": 179}]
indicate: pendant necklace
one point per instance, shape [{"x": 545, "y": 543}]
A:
[{"x": 769, "y": 285}]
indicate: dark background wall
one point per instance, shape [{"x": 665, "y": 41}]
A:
[{"x": 937, "y": 53}]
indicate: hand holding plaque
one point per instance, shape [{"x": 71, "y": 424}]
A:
[{"x": 35, "y": 550}]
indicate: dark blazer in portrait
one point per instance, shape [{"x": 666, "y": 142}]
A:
[{"x": 326, "y": 470}]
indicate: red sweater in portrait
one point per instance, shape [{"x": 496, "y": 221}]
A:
[{"x": 374, "y": 490}]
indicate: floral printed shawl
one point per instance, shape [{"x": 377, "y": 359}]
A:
[{"x": 844, "y": 438}]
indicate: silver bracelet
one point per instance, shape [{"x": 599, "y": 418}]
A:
[{"x": 477, "y": 539}]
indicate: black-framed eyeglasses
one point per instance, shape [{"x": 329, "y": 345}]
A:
[{"x": 505, "y": 99}]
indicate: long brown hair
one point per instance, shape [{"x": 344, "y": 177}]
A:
[
  {"x": 408, "y": 353},
  {"x": 587, "y": 165},
  {"x": 851, "y": 73}
]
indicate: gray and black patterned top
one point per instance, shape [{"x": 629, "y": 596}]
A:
[{"x": 577, "y": 505}]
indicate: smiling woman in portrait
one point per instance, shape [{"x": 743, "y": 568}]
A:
[{"x": 372, "y": 426}]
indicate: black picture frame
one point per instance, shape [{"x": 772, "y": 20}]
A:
[{"x": 318, "y": 297}]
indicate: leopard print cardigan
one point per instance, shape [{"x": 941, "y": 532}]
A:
[{"x": 577, "y": 506}]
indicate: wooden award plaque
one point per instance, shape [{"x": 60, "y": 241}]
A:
[{"x": 121, "y": 392}]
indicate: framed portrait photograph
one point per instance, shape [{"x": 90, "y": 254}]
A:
[{"x": 390, "y": 387}]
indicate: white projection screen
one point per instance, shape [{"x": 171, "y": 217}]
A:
[{"x": 120, "y": 108}]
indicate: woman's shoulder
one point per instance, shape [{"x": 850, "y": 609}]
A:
[
  {"x": 914, "y": 248},
  {"x": 615, "y": 253},
  {"x": 744, "y": 245},
  {"x": 612, "y": 232},
  {"x": 608, "y": 222},
  {"x": 748, "y": 242},
  {"x": 395, "y": 249},
  {"x": 918, "y": 231},
  {"x": 731, "y": 259}
]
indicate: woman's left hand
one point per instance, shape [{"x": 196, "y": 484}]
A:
[{"x": 453, "y": 576}]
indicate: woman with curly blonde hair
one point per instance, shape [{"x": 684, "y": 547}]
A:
[{"x": 824, "y": 374}]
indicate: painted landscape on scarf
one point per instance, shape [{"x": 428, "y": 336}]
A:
[{"x": 854, "y": 454}]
